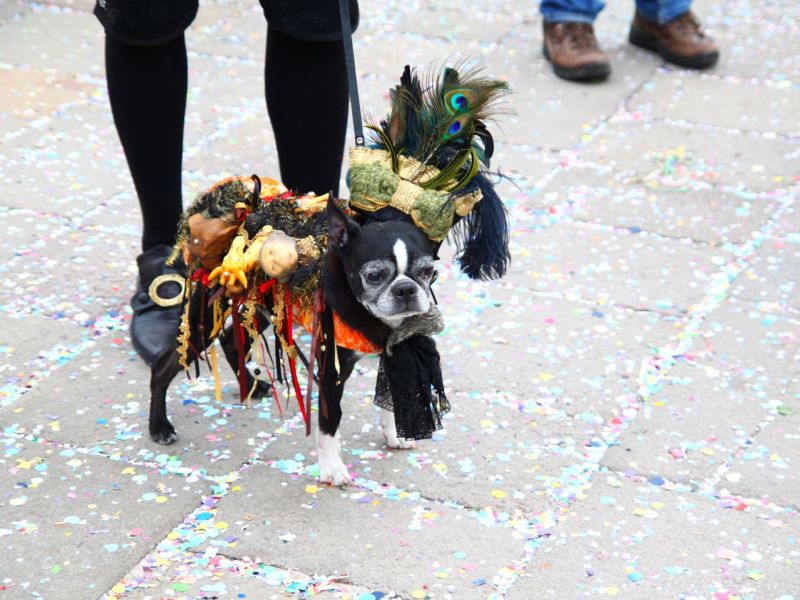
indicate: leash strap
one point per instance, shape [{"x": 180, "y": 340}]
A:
[{"x": 350, "y": 64}]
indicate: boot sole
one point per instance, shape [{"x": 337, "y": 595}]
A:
[
  {"x": 597, "y": 70},
  {"x": 646, "y": 42}
]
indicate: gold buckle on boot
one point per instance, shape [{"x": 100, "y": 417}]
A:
[{"x": 166, "y": 302}]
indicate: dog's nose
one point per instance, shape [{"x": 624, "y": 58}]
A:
[{"x": 404, "y": 290}]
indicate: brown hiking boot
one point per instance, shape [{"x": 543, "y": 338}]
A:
[
  {"x": 573, "y": 50},
  {"x": 680, "y": 41}
]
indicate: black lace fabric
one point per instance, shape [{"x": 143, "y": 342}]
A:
[{"x": 410, "y": 384}]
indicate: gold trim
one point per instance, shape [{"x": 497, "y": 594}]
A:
[
  {"x": 404, "y": 196},
  {"x": 161, "y": 279},
  {"x": 307, "y": 250},
  {"x": 464, "y": 204},
  {"x": 410, "y": 168}
]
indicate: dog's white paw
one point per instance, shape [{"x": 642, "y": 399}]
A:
[
  {"x": 331, "y": 468},
  {"x": 390, "y": 432}
]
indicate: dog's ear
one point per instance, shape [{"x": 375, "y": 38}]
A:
[{"x": 341, "y": 228}]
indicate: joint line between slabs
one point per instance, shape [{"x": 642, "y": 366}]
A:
[{"x": 659, "y": 366}]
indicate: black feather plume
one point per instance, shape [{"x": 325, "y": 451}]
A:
[
  {"x": 440, "y": 121},
  {"x": 482, "y": 236}
]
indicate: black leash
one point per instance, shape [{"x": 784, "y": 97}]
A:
[{"x": 350, "y": 63}]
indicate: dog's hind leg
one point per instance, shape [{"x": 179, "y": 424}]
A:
[
  {"x": 162, "y": 372},
  {"x": 331, "y": 467}
]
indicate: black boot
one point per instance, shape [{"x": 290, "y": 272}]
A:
[{"x": 157, "y": 303}]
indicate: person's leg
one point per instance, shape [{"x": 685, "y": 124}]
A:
[
  {"x": 573, "y": 11},
  {"x": 662, "y": 11},
  {"x": 147, "y": 90},
  {"x": 569, "y": 41},
  {"x": 307, "y": 100},
  {"x": 669, "y": 28}
]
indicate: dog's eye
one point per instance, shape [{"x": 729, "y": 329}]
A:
[
  {"x": 375, "y": 276},
  {"x": 426, "y": 271}
]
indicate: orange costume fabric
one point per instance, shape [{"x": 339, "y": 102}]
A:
[{"x": 346, "y": 336}]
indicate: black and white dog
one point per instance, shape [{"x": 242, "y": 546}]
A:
[{"x": 376, "y": 275}]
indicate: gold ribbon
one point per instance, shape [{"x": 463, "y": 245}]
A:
[{"x": 373, "y": 186}]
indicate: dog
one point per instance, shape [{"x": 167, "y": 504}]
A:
[
  {"x": 424, "y": 178},
  {"x": 376, "y": 275}
]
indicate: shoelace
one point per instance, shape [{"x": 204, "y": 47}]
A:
[
  {"x": 686, "y": 26},
  {"x": 579, "y": 36}
]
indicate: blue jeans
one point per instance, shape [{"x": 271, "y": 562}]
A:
[{"x": 585, "y": 11}]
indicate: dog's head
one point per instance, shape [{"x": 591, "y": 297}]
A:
[{"x": 389, "y": 265}]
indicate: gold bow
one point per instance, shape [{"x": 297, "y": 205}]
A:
[{"x": 373, "y": 186}]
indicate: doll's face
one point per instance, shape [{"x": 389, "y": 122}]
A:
[{"x": 278, "y": 256}]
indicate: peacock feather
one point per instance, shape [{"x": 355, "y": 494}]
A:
[{"x": 440, "y": 122}]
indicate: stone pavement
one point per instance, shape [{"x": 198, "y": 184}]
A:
[{"x": 626, "y": 405}]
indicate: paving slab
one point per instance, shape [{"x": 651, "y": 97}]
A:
[
  {"x": 673, "y": 155},
  {"x": 119, "y": 215},
  {"x": 774, "y": 273},
  {"x": 25, "y": 227},
  {"x": 760, "y": 341},
  {"x": 72, "y": 524},
  {"x": 403, "y": 545},
  {"x": 100, "y": 402},
  {"x": 758, "y": 344},
  {"x": 407, "y": 49},
  {"x": 68, "y": 164},
  {"x": 223, "y": 92},
  {"x": 66, "y": 275},
  {"x": 39, "y": 37},
  {"x": 606, "y": 196},
  {"x": 554, "y": 113},
  {"x": 31, "y": 348},
  {"x": 704, "y": 99},
  {"x": 221, "y": 584},
  {"x": 548, "y": 354},
  {"x": 479, "y": 459},
  {"x": 603, "y": 266},
  {"x": 242, "y": 149},
  {"x": 690, "y": 430},
  {"x": 524, "y": 165},
  {"x": 487, "y": 25},
  {"x": 28, "y": 94},
  {"x": 629, "y": 200},
  {"x": 84, "y": 5},
  {"x": 234, "y": 29},
  {"x": 756, "y": 39},
  {"x": 12, "y": 10},
  {"x": 767, "y": 468},
  {"x": 622, "y": 541}
]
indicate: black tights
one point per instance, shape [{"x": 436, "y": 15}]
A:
[{"x": 306, "y": 91}]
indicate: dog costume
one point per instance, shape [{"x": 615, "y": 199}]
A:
[{"x": 251, "y": 244}]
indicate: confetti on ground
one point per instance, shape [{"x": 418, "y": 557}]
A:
[{"x": 625, "y": 415}]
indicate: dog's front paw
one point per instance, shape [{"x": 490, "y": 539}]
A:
[
  {"x": 390, "y": 432},
  {"x": 400, "y": 443},
  {"x": 331, "y": 468},
  {"x": 335, "y": 473},
  {"x": 162, "y": 432}
]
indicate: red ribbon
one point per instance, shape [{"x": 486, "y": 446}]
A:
[{"x": 292, "y": 361}]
